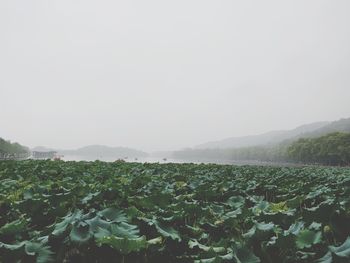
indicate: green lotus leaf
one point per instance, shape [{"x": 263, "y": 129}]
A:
[
  {"x": 113, "y": 214},
  {"x": 8, "y": 183},
  {"x": 42, "y": 253},
  {"x": 295, "y": 228},
  {"x": 80, "y": 233},
  {"x": 260, "y": 230},
  {"x": 295, "y": 202},
  {"x": 194, "y": 243},
  {"x": 278, "y": 207},
  {"x": 194, "y": 231},
  {"x": 321, "y": 191},
  {"x": 343, "y": 250},
  {"x": 235, "y": 201},
  {"x": 13, "y": 227},
  {"x": 260, "y": 207},
  {"x": 101, "y": 232},
  {"x": 315, "y": 226},
  {"x": 245, "y": 255},
  {"x": 61, "y": 227},
  {"x": 12, "y": 246},
  {"x": 124, "y": 245},
  {"x": 265, "y": 227},
  {"x": 217, "y": 259},
  {"x": 305, "y": 255},
  {"x": 306, "y": 238},
  {"x": 232, "y": 214},
  {"x": 89, "y": 197},
  {"x": 125, "y": 230},
  {"x": 164, "y": 230},
  {"x": 155, "y": 241},
  {"x": 96, "y": 222},
  {"x": 167, "y": 231},
  {"x": 217, "y": 209},
  {"x": 28, "y": 193}
]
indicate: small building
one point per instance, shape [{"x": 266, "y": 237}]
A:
[{"x": 44, "y": 155}]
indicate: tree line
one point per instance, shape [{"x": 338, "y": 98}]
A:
[{"x": 330, "y": 149}]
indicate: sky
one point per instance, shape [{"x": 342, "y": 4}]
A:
[{"x": 164, "y": 75}]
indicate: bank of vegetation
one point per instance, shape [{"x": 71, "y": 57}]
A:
[{"x": 329, "y": 149}]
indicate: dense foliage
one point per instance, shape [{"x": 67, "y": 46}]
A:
[
  {"x": 55, "y": 211},
  {"x": 331, "y": 149}
]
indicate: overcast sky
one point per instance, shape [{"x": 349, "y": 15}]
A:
[{"x": 163, "y": 75}]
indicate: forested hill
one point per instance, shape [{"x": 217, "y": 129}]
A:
[
  {"x": 342, "y": 125},
  {"x": 329, "y": 149},
  {"x": 6, "y": 147},
  {"x": 276, "y": 137},
  {"x": 271, "y": 137}
]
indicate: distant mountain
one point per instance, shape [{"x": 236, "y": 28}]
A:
[
  {"x": 342, "y": 125},
  {"x": 268, "y": 138},
  {"x": 101, "y": 151}
]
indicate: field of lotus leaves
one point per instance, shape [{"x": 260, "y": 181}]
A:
[{"x": 56, "y": 211}]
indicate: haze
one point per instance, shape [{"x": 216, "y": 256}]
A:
[{"x": 163, "y": 75}]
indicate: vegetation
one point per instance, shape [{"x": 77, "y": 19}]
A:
[
  {"x": 269, "y": 138},
  {"x": 331, "y": 149},
  {"x": 273, "y": 138},
  {"x": 6, "y": 147},
  {"x": 55, "y": 211}
]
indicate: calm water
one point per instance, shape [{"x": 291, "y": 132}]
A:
[
  {"x": 141, "y": 160},
  {"x": 170, "y": 160}
]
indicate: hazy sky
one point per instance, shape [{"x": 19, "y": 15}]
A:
[{"x": 162, "y": 75}]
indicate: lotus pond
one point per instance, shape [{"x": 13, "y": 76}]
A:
[{"x": 56, "y": 211}]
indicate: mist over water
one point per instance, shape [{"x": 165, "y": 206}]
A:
[
  {"x": 175, "y": 161},
  {"x": 110, "y": 159}
]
